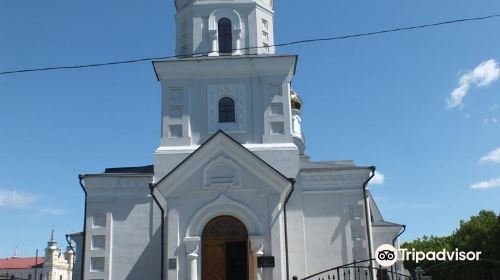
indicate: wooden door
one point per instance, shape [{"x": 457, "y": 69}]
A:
[
  {"x": 225, "y": 250},
  {"x": 236, "y": 260},
  {"x": 214, "y": 260}
]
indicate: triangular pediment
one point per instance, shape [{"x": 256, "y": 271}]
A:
[{"x": 222, "y": 163}]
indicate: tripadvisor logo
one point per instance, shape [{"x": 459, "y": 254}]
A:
[{"x": 386, "y": 255}]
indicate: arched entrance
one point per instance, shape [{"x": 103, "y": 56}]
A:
[{"x": 225, "y": 249}]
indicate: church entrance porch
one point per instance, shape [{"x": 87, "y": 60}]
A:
[{"x": 225, "y": 250}]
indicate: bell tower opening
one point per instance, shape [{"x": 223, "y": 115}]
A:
[
  {"x": 225, "y": 36},
  {"x": 225, "y": 249},
  {"x": 224, "y": 27}
]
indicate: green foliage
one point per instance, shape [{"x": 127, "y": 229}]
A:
[
  {"x": 479, "y": 233},
  {"x": 426, "y": 244},
  {"x": 429, "y": 243}
]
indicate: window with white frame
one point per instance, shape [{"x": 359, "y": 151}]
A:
[
  {"x": 98, "y": 242},
  {"x": 97, "y": 264},
  {"x": 99, "y": 220}
]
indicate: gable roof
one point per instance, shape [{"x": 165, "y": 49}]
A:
[
  {"x": 231, "y": 141},
  {"x": 377, "y": 218},
  {"x": 376, "y": 214},
  {"x": 386, "y": 224},
  {"x": 21, "y": 263}
]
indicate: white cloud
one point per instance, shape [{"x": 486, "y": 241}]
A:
[
  {"x": 489, "y": 184},
  {"x": 16, "y": 199},
  {"x": 487, "y": 121},
  {"x": 492, "y": 157},
  {"x": 378, "y": 179},
  {"x": 494, "y": 107},
  {"x": 483, "y": 75}
]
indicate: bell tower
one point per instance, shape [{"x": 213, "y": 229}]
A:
[
  {"x": 225, "y": 27},
  {"x": 227, "y": 77}
]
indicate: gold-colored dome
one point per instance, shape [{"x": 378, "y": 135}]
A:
[{"x": 295, "y": 100}]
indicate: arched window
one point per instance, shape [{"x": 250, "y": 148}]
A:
[
  {"x": 225, "y": 36},
  {"x": 226, "y": 110}
]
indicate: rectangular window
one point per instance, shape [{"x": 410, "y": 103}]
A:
[
  {"x": 277, "y": 128},
  {"x": 265, "y": 35},
  {"x": 265, "y": 24},
  {"x": 276, "y": 109},
  {"x": 176, "y": 95},
  {"x": 98, "y": 242},
  {"x": 356, "y": 212},
  {"x": 99, "y": 220},
  {"x": 97, "y": 264},
  {"x": 357, "y": 233},
  {"x": 175, "y": 131},
  {"x": 175, "y": 112}
]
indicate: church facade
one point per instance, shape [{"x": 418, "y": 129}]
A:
[
  {"x": 231, "y": 194},
  {"x": 54, "y": 265}
]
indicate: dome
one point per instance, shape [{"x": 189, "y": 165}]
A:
[{"x": 295, "y": 100}]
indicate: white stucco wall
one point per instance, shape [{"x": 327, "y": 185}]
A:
[
  {"x": 254, "y": 196},
  {"x": 326, "y": 221},
  {"x": 131, "y": 228},
  {"x": 255, "y": 83}
]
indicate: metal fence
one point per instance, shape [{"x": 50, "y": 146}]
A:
[
  {"x": 11, "y": 277},
  {"x": 478, "y": 270},
  {"x": 356, "y": 271}
]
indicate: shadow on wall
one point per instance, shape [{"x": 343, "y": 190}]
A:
[
  {"x": 340, "y": 233},
  {"x": 148, "y": 264}
]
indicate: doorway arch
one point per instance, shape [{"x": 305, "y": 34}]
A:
[{"x": 225, "y": 249}]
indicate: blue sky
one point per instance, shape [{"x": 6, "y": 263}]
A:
[{"x": 383, "y": 100}]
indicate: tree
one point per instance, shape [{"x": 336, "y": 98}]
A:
[
  {"x": 426, "y": 244},
  {"x": 479, "y": 233}
]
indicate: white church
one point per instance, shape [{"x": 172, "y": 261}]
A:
[{"x": 232, "y": 194}]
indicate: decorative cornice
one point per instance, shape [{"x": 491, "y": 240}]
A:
[
  {"x": 332, "y": 178},
  {"x": 257, "y": 244},
  {"x": 212, "y": 179},
  {"x": 192, "y": 245}
]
